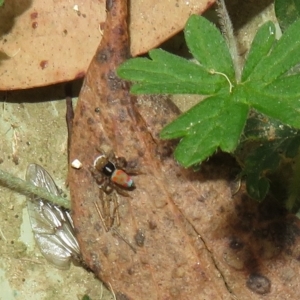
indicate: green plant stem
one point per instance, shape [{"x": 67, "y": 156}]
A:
[
  {"x": 227, "y": 31},
  {"x": 23, "y": 187}
]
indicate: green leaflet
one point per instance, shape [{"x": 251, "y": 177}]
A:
[
  {"x": 260, "y": 47},
  {"x": 284, "y": 55},
  {"x": 168, "y": 73},
  {"x": 213, "y": 123},
  {"x": 208, "y": 46}
]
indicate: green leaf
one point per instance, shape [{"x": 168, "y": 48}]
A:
[
  {"x": 257, "y": 187},
  {"x": 284, "y": 87},
  {"x": 214, "y": 123},
  {"x": 1, "y": 2},
  {"x": 208, "y": 46},
  {"x": 168, "y": 73},
  {"x": 285, "y": 109},
  {"x": 260, "y": 47},
  {"x": 265, "y": 149},
  {"x": 284, "y": 55},
  {"x": 287, "y": 12}
]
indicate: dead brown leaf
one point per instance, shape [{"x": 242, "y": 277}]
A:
[
  {"x": 182, "y": 235},
  {"x": 45, "y": 42}
]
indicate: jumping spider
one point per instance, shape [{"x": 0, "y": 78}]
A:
[{"x": 111, "y": 173}]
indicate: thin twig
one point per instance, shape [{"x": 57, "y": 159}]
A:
[
  {"x": 27, "y": 189},
  {"x": 117, "y": 233},
  {"x": 112, "y": 291},
  {"x": 101, "y": 216}
]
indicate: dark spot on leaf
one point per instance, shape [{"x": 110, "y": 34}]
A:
[
  {"x": 119, "y": 30},
  {"x": 114, "y": 82},
  {"x": 90, "y": 121},
  {"x": 130, "y": 271},
  {"x": 34, "y": 25},
  {"x": 236, "y": 244},
  {"x": 44, "y": 64},
  {"x": 103, "y": 55},
  {"x": 97, "y": 110},
  {"x": 34, "y": 15},
  {"x": 140, "y": 238},
  {"x": 152, "y": 225},
  {"x": 65, "y": 32},
  {"x": 259, "y": 284},
  {"x": 140, "y": 153}
]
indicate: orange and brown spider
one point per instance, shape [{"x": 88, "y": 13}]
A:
[{"x": 111, "y": 173}]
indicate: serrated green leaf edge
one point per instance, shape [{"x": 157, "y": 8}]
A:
[
  {"x": 284, "y": 55},
  {"x": 217, "y": 122},
  {"x": 186, "y": 77},
  {"x": 286, "y": 87},
  {"x": 260, "y": 47},
  {"x": 208, "y": 46},
  {"x": 286, "y": 110}
]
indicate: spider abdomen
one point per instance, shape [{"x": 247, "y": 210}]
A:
[{"x": 121, "y": 178}]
